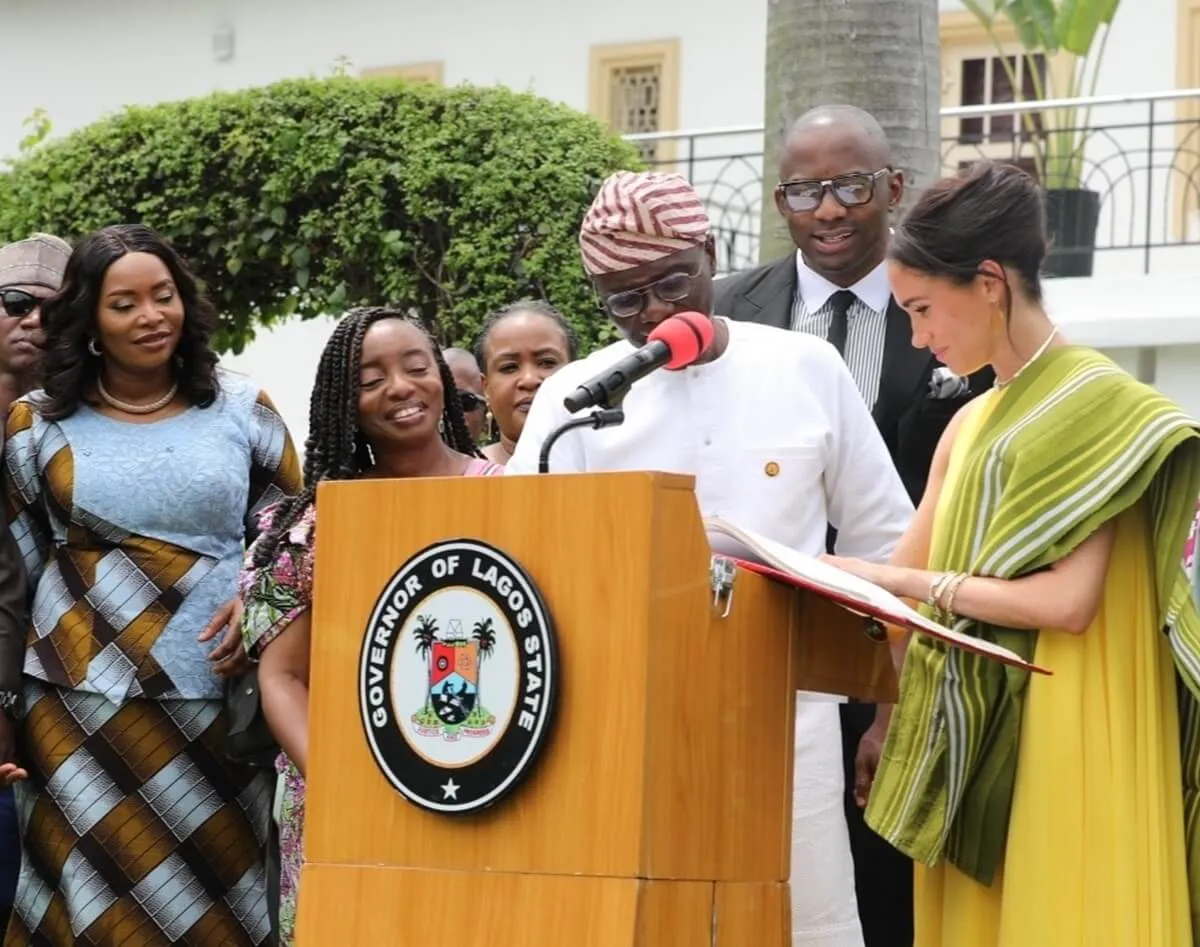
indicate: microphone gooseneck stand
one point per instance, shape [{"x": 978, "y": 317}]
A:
[{"x": 600, "y": 418}]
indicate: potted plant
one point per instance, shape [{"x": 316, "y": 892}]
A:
[{"x": 1071, "y": 35}]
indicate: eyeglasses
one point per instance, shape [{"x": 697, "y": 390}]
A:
[
  {"x": 849, "y": 190},
  {"x": 670, "y": 289},
  {"x": 470, "y": 401},
  {"x": 18, "y": 303}
]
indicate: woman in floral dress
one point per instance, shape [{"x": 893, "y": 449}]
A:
[{"x": 379, "y": 410}]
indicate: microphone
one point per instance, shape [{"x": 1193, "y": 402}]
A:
[{"x": 675, "y": 343}]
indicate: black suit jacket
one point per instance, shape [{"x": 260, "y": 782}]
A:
[{"x": 910, "y": 421}]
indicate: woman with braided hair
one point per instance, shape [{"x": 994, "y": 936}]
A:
[{"x": 382, "y": 406}]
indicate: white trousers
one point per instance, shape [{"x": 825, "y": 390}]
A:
[{"x": 824, "y": 907}]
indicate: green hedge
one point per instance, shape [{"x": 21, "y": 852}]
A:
[{"x": 309, "y": 196}]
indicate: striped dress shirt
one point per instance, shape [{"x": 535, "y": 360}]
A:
[{"x": 866, "y": 321}]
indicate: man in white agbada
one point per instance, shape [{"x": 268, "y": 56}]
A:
[{"x": 772, "y": 426}]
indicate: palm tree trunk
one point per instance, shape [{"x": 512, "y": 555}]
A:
[{"x": 881, "y": 56}]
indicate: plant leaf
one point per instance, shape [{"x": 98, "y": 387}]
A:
[
  {"x": 1034, "y": 21},
  {"x": 1079, "y": 21},
  {"x": 306, "y": 195}
]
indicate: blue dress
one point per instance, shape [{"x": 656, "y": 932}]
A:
[{"x": 136, "y": 829}]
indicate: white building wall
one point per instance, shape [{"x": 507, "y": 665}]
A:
[
  {"x": 86, "y": 58},
  {"x": 79, "y": 59}
]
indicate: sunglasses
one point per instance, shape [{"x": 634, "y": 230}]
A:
[
  {"x": 18, "y": 303},
  {"x": 670, "y": 289},
  {"x": 470, "y": 401},
  {"x": 849, "y": 190}
]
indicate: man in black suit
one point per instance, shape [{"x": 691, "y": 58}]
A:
[{"x": 837, "y": 190}]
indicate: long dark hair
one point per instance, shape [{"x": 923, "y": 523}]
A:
[
  {"x": 69, "y": 370},
  {"x": 335, "y": 448}
]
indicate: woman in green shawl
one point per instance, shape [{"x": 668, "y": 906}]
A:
[{"x": 1041, "y": 810}]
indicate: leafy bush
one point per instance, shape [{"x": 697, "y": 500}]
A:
[{"x": 309, "y": 196}]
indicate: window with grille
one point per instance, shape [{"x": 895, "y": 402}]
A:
[
  {"x": 989, "y": 81},
  {"x": 634, "y": 89},
  {"x": 975, "y": 72},
  {"x": 635, "y": 93}
]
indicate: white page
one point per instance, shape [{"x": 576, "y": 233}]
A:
[{"x": 728, "y": 539}]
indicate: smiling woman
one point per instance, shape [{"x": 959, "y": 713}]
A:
[
  {"x": 128, "y": 335},
  {"x": 1056, "y": 511},
  {"x": 133, "y": 481},
  {"x": 383, "y": 405}
]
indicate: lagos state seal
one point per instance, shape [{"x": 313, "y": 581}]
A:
[{"x": 458, "y": 676}]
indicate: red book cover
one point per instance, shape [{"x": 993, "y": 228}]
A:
[{"x": 765, "y": 556}]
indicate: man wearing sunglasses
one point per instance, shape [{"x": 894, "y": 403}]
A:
[
  {"x": 30, "y": 272},
  {"x": 837, "y": 189},
  {"x": 469, "y": 382},
  {"x": 773, "y": 429}
]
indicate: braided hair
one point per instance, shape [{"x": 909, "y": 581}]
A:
[{"x": 335, "y": 448}]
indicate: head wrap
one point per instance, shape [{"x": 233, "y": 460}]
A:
[
  {"x": 39, "y": 261},
  {"x": 638, "y": 218}
]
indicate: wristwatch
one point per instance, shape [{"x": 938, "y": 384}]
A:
[{"x": 10, "y": 704}]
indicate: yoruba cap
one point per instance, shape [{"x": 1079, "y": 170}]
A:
[
  {"x": 639, "y": 217},
  {"x": 40, "y": 260}
]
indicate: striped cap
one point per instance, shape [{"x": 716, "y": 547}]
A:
[
  {"x": 638, "y": 218},
  {"x": 38, "y": 261}
]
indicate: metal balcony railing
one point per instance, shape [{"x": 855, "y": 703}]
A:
[{"x": 1140, "y": 154}]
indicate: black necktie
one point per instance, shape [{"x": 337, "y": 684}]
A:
[{"x": 839, "y": 305}]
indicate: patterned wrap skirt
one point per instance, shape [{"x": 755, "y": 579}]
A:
[{"x": 136, "y": 831}]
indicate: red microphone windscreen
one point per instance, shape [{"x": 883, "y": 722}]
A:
[{"x": 687, "y": 334}]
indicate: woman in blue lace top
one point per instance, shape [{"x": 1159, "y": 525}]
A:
[{"x": 132, "y": 481}]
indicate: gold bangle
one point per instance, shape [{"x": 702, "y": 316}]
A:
[
  {"x": 952, "y": 592},
  {"x": 937, "y": 585},
  {"x": 951, "y": 578}
]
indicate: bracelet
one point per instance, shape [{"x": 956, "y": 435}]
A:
[
  {"x": 952, "y": 591},
  {"x": 937, "y": 586}
]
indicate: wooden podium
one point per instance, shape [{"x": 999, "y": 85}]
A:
[{"x": 659, "y": 813}]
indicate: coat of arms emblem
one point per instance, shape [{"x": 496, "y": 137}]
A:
[
  {"x": 458, "y": 676},
  {"x": 454, "y": 705}
]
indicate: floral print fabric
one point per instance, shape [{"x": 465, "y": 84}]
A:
[{"x": 275, "y": 596}]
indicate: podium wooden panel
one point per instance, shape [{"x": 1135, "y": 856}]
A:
[{"x": 662, "y": 802}]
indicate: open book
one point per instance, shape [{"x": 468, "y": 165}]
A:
[{"x": 765, "y": 556}]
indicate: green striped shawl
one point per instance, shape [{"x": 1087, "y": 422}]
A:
[{"x": 1072, "y": 443}]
